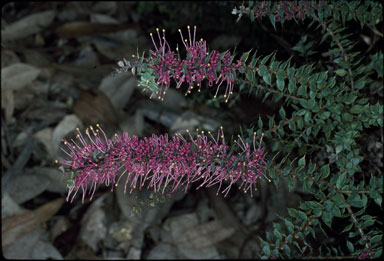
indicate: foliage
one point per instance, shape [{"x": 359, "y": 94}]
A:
[{"x": 323, "y": 109}]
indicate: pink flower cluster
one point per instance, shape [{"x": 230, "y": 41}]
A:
[
  {"x": 198, "y": 65},
  {"x": 163, "y": 164},
  {"x": 290, "y": 9}
]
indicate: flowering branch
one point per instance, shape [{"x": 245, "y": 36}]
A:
[
  {"x": 167, "y": 164},
  {"x": 198, "y": 65},
  {"x": 163, "y": 65}
]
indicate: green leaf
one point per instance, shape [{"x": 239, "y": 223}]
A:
[
  {"x": 327, "y": 218},
  {"x": 272, "y": 19},
  {"x": 322, "y": 77},
  {"x": 277, "y": 234},
  {"x": 263, "y": 70},
  {"x": 302, "y": 161},
  {"x": 307, "y": 184},
  {"x": 355, "y": 201},
  {"x": 292, "y": 212},
  {"x": 360, "y": 84},
  {"x": 311, "y": 167},
  {"x": 341, "y": 180},
  {"x": 378, "y": 199},
  {"x": 280, "y": 84},
  {"x": 274, "y": 66},
  {"x": 376, "y": 239},
  {"x": 245, "y": 56},
  {"x": 320, "y": 195},
  {"x": 265, "y": 59},
  {"x": 341, "y": 72},
  {"x": 267, "y": 79},
  {"x": 307, "y": 117},
  {"x": 250, "y": 76},
  {"x": 318, "y": 212},
  {"x": 254, "y": 60},
  {"x": 302, "y": 215},
  {"x": 349, "y": 99},
  {"x": 282, "y": 113},
  {"x": 223, "y": 54},
  {"x": 347, "y": 117},
  {"x": 289, "y": 224},
  {"x": 347, "y": 228},
  {"x": 302, "y": 91},
  {"x": 328, "y": 205},
  {"x": 291, "y": 183},
  {"x": 350, "y": 247},
  {"x": 365, "y": 200},
  {"x": 336, "y": 211},
  {"x": 325, "y": 171},
  {"x": 267, "y": 250},
  {"x": 311, "y": 104},
  {"x": 304, "y": 103},
  {"x": 378, "y": 252},
  {"x": 292, "y": 85},
  {"x": 324, "y": 115},
  {"x": 300, "y": 123},
  {"x": 356, "y": 109},
  {"x": 287, "y": 250},
  {"x": 338, "y": 200},
  {"x": 271, "y": 122},
  {"x": 323, "y": 38},
  {"x": 368, "y": 223},
  {"x": 280, "y": 75},
  {"x": 260, "y": 123},
  {"x": 339, "y": 148}
]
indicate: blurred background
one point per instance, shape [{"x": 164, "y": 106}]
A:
[{"x": 57, "y": 64}]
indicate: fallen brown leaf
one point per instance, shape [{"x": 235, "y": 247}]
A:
[
  {"x": 18, "y": 75},
  {"x": 28, "y": 25},
  {"x": 207, "y": 234},
  {"x": 16, "y": 226},
  {"x": 94, "y": 107},
  {"x": 78, "y": 29}
]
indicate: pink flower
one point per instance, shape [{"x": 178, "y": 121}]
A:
[{"x": 161, "y": 163}]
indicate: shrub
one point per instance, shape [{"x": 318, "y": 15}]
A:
[{"x": 324, "y": 113}]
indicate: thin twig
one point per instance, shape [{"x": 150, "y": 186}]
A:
[
  {"x": 277, "y": 92},
  {"x": 301, "y": 134},
  {"x": 361, "y": 232},
  {"x": 340, "y": 47},
  {"x": 350, "y": 191},
  {"x": 286, "y": 122}
]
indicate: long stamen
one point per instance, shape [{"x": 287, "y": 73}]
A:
[
  {"x": 165, "y": 41},
  {"x": 261, "y": 139},
  {"x": 189, "y": 33},
  {"x": 153, "y": 41},
  {"x": 182, "y": 39},
  {"x": 158, "y": 34}
]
